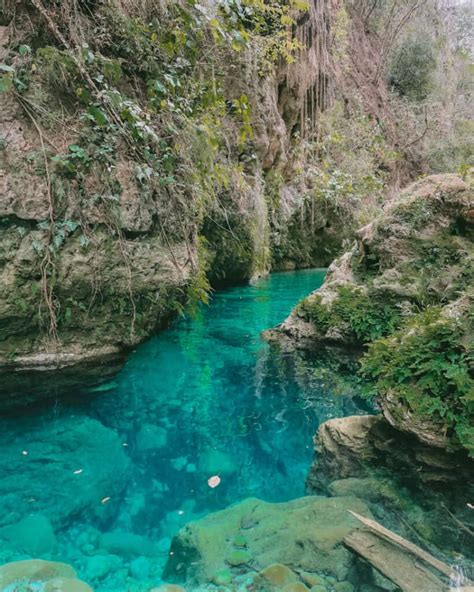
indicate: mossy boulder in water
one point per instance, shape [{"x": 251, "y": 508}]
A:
[
  {"x": 52, "y": 576},
  {"x": 305, "y": 533}
]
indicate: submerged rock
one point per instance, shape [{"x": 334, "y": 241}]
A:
[
  {"x": 33, "y": 535},
  {"x": 59, "y": 469},
  {"x": 305, "y": 533},
  {"x": 278, "y": 575},
  {"x": 128, "y": 544},
  {"x": 397, "y": 476},
  {"x": 66, "y": 585},
  {"x": 38, "y": 570},
  {"x": 150, "y": 437}
]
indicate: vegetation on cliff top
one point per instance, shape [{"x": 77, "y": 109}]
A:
[{"x": 406, "y": 297}]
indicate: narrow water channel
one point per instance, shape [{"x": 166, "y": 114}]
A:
[{"x": 201, "y": 416}]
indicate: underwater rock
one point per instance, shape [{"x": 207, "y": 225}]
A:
[
  {"x": 238, "y": 557},
  {"x": 215, "y": 462},
  {"x": 33, "y": 535},
  {"x": 150, "y": 437},
  {"x": 127, "y": 543},
  {"x": 66, "y": 585},
  {"x": 305, "y": 533},
  {"x": 278, "y": 575},
  {"x": 223, "y": 577},
  {"x": 99, "y": 566},
  {"x": 311, "y": 579},
  {"x": 36, "y": 570},
  {"x": 60, "y": 468},
  {"x": 140, "y": 568}
]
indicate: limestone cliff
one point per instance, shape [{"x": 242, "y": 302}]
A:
[
  {"x": 403, "y": 294},
  {"x": 149, "y": 150}
]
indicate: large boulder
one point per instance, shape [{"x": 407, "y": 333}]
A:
[
  {"x": 410, "y": 486},
  {"x": 50, "y": 576},
  {"x": 58, "y": 469},
  {"x": 303, "y": 534}
]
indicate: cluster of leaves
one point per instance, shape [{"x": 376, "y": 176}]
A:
[
  {"x": 427, "y": 364},
  {"x": 412, "y": 68},
  {"x": 366, "y": 316},
  {"x": 270, "y": 22}
]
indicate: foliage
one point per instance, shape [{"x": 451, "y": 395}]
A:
[
  {"x": 271, "y": 24},
  {"x": 366, "y": 316},
  {"x": 412, "y": 68},
  {"x": 427, "y": 365}
]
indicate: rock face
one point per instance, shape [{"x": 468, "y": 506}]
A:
[
  {"x": 57, "y": 470},
  {"x": 304, "y": 534},
  {"x": 420, "y": 246},
  {"x": 111, "y": 220},
  {"x": 404, "y": 291},
  {"x": 397, "y": 476}
]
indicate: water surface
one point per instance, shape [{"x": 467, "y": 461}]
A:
[{"x": 205, "y": 398}]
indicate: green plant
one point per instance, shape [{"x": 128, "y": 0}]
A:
[
  {"x": 428, "y": 365},
  {"x": 365, "y": 315},
  {"x": 412, "y": 68}
]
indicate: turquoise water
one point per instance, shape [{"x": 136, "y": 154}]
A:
[{"x": 114, "y": 473}]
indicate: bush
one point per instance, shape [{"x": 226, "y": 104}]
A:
[
  {"x": 364, "y": 314},
  {"x": 412, "y": 69},
  {"x": 428, "y": 366}
]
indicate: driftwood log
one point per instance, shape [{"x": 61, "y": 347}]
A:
[{"x": 404, "y": 563}]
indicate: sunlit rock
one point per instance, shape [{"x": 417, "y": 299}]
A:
[
  {"x": 36, "y": 570},
  {"x": 305, "y": 533}
]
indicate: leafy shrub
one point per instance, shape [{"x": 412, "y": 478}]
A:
[
  {"x": 365, "y": 315},
  {"x": 412, "y": 67},
  {"x": 428, "y": 366}
]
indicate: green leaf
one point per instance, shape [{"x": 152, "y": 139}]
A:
[
  {"x": 99, "y": 116},
  {"x": 6, "y": 83},
  {"x": 24, "y": 50}
]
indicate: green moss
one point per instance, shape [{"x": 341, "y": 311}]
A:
[{"x": 366, "y": 315}]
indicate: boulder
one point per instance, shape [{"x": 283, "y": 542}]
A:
[
  {"x": 127, "y": 544},
  {"x": 66, "y": 585},
  {"x": 34, "y": 570},
  {"x": 33, "y": 535},
  {"x": 305, "y": 533}
]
